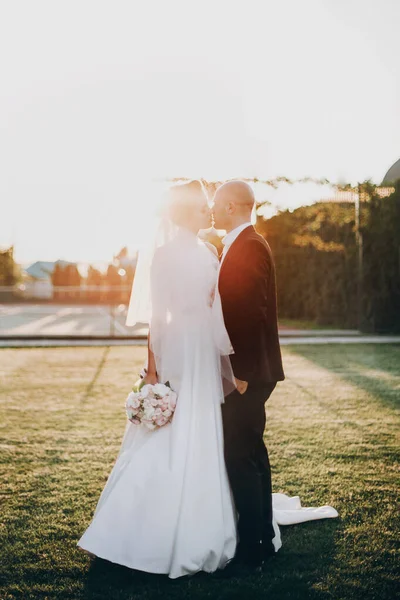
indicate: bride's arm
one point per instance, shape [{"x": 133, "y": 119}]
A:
[
  {"x": 158, "y": 283},
  {"x": 151, "y": 375}
]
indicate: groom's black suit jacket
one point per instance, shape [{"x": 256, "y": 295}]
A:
[{"x": 247, "y": 286}]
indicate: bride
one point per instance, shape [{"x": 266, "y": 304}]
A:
[{"x": 167, "y": 506}]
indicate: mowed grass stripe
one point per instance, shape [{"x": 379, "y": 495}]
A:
[{"x": 332, "y": 433}]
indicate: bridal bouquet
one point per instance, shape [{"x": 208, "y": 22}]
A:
[{"x": 151, "y": 405}]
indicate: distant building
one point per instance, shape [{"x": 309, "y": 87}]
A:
[{"x": 37, "y": 278}]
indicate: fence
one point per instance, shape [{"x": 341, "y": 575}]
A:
[{"x": 66, "y": 311}]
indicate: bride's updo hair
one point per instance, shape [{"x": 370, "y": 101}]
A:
[{"x": 182, "y": 199}]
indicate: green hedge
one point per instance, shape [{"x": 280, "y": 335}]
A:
[
  {"x": 381, "y": 264},
  {"x": 317, "y": 286},
  {"x": 316, "y": 263}
]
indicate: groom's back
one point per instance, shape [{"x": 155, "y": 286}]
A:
[{"x": 247, "y": 286}]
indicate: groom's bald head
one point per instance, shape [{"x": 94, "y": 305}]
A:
[{"x": 233, "y": 204}]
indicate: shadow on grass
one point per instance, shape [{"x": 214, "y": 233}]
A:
[
  {"x": 308, "y": 549},
  {"x": 350, "y": 363},
  {"x": 96, "y": 375},
  {"x": 106, "y": 579}
]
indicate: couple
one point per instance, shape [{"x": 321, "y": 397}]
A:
[{"x": 195, "y": 495}]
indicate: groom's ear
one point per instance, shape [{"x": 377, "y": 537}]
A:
[{"x": 230, "y": 207}]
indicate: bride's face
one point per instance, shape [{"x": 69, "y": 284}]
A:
[
  {"x": 190, "y": 209},
  {"x": 200, "y": 215},
  {"x": 220, "y": 212}
]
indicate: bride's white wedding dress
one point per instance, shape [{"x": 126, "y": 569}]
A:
[{"x": 167, "y": 505}]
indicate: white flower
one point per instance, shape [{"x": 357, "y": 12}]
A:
[
  {"x": 160, "y": 389},
  {"x": 147, "y": 403},
  {"x": 148, "y": 412},
  {"x": 172, "y": 401},
  {"x": 132, "y": 400},
  {"x": 129, "y": 398},
  {"x": 145, "y": 391},
  {"x": 131, "y": 413}
]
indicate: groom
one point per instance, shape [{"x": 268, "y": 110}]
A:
[{"x": 248, "y": 295}]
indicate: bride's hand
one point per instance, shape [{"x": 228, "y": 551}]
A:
[{"x": 151, "y": 378}]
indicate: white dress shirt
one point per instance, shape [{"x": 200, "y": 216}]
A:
[{"x": 231, "y": 237}]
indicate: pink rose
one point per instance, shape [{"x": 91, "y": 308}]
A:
[{"x": 172, "y": 401}]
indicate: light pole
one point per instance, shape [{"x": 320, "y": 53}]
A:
[{"x": 359, "y": 246}]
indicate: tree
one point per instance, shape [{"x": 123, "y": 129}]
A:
[
  {"x": 315, "y": 256},
  {"x": 8, "y": 268},
  {"x": 381, "y": 262},
  {"x": 113, "y": 280}
]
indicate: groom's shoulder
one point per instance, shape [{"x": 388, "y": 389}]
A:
[
  {"x": 256, "y": 248},
  {"x": 256, "y": 241}
]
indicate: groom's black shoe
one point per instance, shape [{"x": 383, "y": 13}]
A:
[
  {"x": 268, "y": 550},
  {"x": 232, "y": 569},
  {"x": 237, "y": 568},
  {"x": 251, "y": 554},
  {"x": 248, "y": 560}
]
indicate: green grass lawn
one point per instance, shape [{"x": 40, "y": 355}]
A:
[{"x": 331, "y": 431}]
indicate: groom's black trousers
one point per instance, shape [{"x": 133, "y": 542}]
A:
[{"x": 247, "y": 462}]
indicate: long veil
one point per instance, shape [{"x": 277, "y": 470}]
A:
[
  {"x": 161, "y": 232},
  {"x": 157, "y": 273}
]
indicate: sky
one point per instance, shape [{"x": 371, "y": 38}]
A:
[{"x": 99, "y": 99}]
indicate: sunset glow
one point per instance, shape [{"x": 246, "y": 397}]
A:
[{"x": 95, "y": 109}]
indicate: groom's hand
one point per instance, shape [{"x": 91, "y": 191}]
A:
[{"x": 241, "y": 386}]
